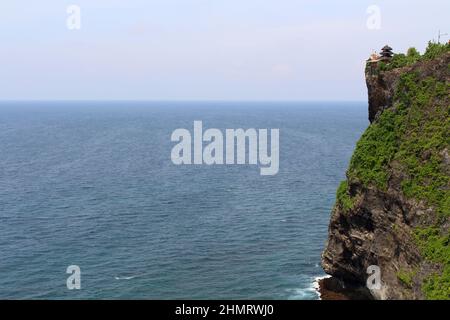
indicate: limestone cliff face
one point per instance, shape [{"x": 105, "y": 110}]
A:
[
  {"x": 387, "y": 202},
  {"x": 380, "y": 86}
]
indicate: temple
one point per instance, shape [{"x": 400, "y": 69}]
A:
[{"x": 386, "y": 53}]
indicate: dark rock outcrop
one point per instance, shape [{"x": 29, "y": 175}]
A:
[{"x": 333, "y": 289}]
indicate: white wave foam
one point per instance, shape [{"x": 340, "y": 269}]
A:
[
  {"x": 302, "y": 293},
  {"x": 310, "y": 292},
  {"x": 316, "y": 284},
  {"x": 125, "y": 278}
]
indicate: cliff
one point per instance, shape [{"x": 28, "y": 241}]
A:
[{"x": 393, "y": 211}]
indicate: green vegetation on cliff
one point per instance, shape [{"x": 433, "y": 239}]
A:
[
  {"x": 375, "y": 150},
  {"x": 415, "y": 133},
  {"x": 424, "y": 136},
  {"x": 406, "y": 277},
  {"x": 435, "y": 248},
  {"x": 411, "y": 140},
  {"x": 343, "y": 197},
  {"x": 400, "y": 60}
]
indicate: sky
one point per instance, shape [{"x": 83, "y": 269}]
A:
[{"x": 204, "y": 49}]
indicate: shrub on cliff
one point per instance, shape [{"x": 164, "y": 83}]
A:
[
  {"x": 343, "y": 196},
  {"x": 435, "y": 49}
]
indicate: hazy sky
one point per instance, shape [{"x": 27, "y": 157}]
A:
[{"x": 203, "y": 49}]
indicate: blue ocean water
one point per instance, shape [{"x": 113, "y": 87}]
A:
[{"x": 92, "y": 184}]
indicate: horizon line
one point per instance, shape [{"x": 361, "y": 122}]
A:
[{"x": 187, "y": 100}]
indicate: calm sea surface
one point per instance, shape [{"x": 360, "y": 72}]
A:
[{"x": 93, "y": 185}]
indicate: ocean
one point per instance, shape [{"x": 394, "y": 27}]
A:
[{"x": 92, "y": 184}]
